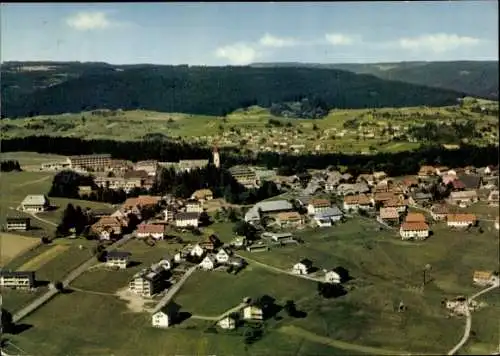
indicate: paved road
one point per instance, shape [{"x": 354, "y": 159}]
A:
[
  {"x": 37, "y": 303},
  {"x": 468, "y": 322},
  {"x": 279, "y": 270},
  {"x": 173, "y": 290}
]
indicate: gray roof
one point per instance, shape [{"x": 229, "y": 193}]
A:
[
  {"x": 29, "y": 274},
  {"x": 35, "y": 200},
  {"x": 332, "y": 211},
  {"x": 186, "y": 216},
  {"x": 274, "y": 205},
  {"x": 118, "y": 254}
]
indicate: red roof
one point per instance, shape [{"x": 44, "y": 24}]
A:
[
  {"x": 458, "y": 184},
  {"x": 150, "y": 229},
  {"x": 414, "y": 226}
]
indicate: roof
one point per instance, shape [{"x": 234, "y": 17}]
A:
[
  {"x": 142, "y": 200},
  {"x": 274, "y": 205},
  {"x": 318, "y": 203},
  {"x": 389, "y": 213},
  {"x": 470, "y": 181},
  {"x": 139, "y": 174},
  {"x": 28, "y": 274},
  {"x": 410, "y": 181},
  {"x": 483, "y": 274},
  {"x": 458, "y": 184},
  {"x": 170, "y": 309},
  {"x": 111, "y": 221},
  {"x": 186, "y": 216},
  {"x": 150, "y": 228},
  {"x": 421, "y": 195},
  {"x": 328, "y": 212},
  {"x": 414, "y": 226},
  {"x": 202, "y": 193},
  {"x": 243, "y": 170},
  {"x": 118, "y": 254},
  {"x": 427, "y": 169},
  {"x": 394, "y": 202},
  {"x": 461, "y": 217},
  {"x": 17, "y": 219},
  {"x": 306, "y": 262},
  {"x": 415, "y": 217},
  {"x": 465, "y": 194},
  {"x": 35, "y": 200},
  {"x": 291, "y": 215},
  {"x": 440, "y": 209},
  {"x": 384, "y": 196}
]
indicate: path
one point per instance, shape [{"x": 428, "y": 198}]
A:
[
  {"x": 31, "y": 182},
  {"x": 468, "y": 322},
  {"x": 37, "y": 303},
  {"x": 299, "y": 332},
  {"x": 278, "y": 270},
  {"x": 92, "y": 291},
  {"x": 221, "y": 316},
  {"x": 33, "y": 215},
  {"x": 173, "y": 290}
]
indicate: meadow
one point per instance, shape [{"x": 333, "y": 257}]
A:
[{"x": 12, "y": 245}]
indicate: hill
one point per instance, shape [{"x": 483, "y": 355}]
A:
[
  {"x": 77, "y": 87},
  {"x": 476, "y": 78}
]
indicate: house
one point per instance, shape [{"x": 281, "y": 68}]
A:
[
  {"x": 17, "y": 224},
  {"x": 441, "y": 170},
  {"x": 457, "y": 185},
  {"x": 426, "y": 171},
  {"x": 483, "y": 278},
  {"x": 228, "y": 323},
  {"x": 277, "y": 236},
  {"x": 448, "y": 179},
  {"x": 156, "y": 231},
  {"x": 302, "y": 267},
  {"x": 210, "y": 243},
  {"x": 166, "y": 316},
  {"x": 150, "y": 167},
  {"x": 290, "y": 219},
  {"x": 35, "y": 203},
  {"x": 202, "y": 195},
  {"x": 357, "y": 188},
  {"x": 193, "y": 206},
  {"x": 415, "y": 217},
  {"x": 17, "y": 279},
  {"x": 461, "y": 220},
  {"x": 166, "y": 263},
  {"x": 108, "y": 227},
  {"x": 471, "y": 181},
  {"x": 414, "y": 230},
  {"x": 409, "y": 183},
  {"x": 197, "y": 250},
  {"x": 118, "y": 259},
  {"x": 208, "y": 263},
  {"x": 332, "y": 277},
  {"x": 265, "y": 208},
  {"x": 439, "y": 212},
  {"x": 253, "y": 312},
  {"x": 396, "y": 203},
  {"x": 463, "y": 198},
  {"x": 389, "y": 215},
  {"x": 420, "y": 198},
  {"x": 169, "y": 213},
  {"x": 355, "y": 202},
  {"x": 185, "y": 219},
  {"x": 244, "y": 175},
  {"x": 318, "y": 205},
  {"x": 222, "y": 256},
  {"x": 367, "y": 178},
  {"x": 493, "y": 197},
  {"x": 147, "y": 282},
  {"x": 332, "y": 213}
]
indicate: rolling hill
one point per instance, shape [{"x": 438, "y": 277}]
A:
[{"x": 55, "y": 88}]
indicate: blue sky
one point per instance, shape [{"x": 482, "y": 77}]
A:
[{"x": 240, "y": 33}]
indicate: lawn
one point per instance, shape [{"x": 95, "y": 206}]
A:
[{"x": 12, "y": 245}]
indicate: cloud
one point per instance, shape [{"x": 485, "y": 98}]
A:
[
  {"x": 93, "y": 20},
  {"x": 437, "y": 43},
  {"x": 269, "y": 40},
  {"x": 339, "y": 39},
  {"x": 238, "y": 53}
]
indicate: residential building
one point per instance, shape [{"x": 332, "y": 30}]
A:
[
  {"x": 197, "y": 250},
  {"x": 127, "y": 184},
  {"x": 17, "y": 224},
  {"x": 277, "y": 236},
  {"x": 415, "y": 217},
  {"x": 396, "y": 203},
  {"x": 349, "y": 189},
  {"x": 302, "y": 267},
  {"x": 378, "y": 176},
  {"x": 150, "y": 167},
  {"x": 317, "y": 206},
  {"x": 185, "y": 219},
  {"x": 210, "y": 243},
  {"x": 94, "y": 162},
  {"x": 166, "y": 316},
  {"x": 493, "y": 197},
  {"x": 426, "y": 171},
  {"x": 470, "y": 181},
  {"x": 483, "y": 278},
  {"x": 222, "y": 256},
  {"x": 463, "y": 198},
  {"x": 267, "y": 208},
  {"x": 156, "y": 231},
  {"x": 441, "y": 170},
  {"x": 108, "y": 227},
  {"x": 169, "y": 213},
  {"x": 439, "y": 212},
  {"x": 202, "y": 195},
  {"x": 366, "y": 178},
  {"x": 147, "y": 282},
  {"x": 186, "y": 165},
  {"x": 414, "y": 230},
  {"x": 35, "y": 203},
  {"x": 332, "y": 277},
  {"x": 228, "y": 323},
  {"x": 208, "y": 263},
  {"x": 388, "y": 215},
  {"x": 461, "y": 220},
  {"x": 253, "y": 312},
  {"x": 457, "y": 185},
  {"x": 332, "y": 213},
  {"x": 245, "y": 176},
  {"x": 17, "y": 279},
  {"x": 118, "y": 259},
  {"x": 193, "y": 206},
  {"x": 290, "y": 219},
  {"x": 420, "y": 198}
]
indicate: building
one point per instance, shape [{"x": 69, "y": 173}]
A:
[
  {"x": 355, "y": 202},
  {"x": 245, "y": 176},
  {"x": 267, "y": 208},
  {"x": 216, "y": 157},
  {"x": 17, "y": 279},
  {"x": 35, "y": 203},
  {"x": 17, "y": 224},
  {"x": 228, "y": 323},
  {"x": 202, "y": 195},
  {"x": 420, "y": 198},
  {"x": 415, "y": 217},
  {"x": 461, "y": 220},
  {"x": 253, "y": 312},
  {"x": 331, "y": 213},
  {"x": 193, "y": 206},
  {"x": 389, "y": 215},
  {"x": 186, "y": 165},
  {"x": 426, "y": 171},
  {"x": 210, "y": 243},
  {"x": 150, "y": 167},
  {"x": 133, "y": 180},
  {"x": 185, "y": 219},
  {"x": 396, "y": 203},
  {"x": 197, "y": 251},
  {"x": 108, "y": 227},
  {"x": 166, "y": 316},
  {"x": 317, "y": 206},
  {"x": 156, "y": 231},
  {"x": 463, "y": 198},
  {"x": 222, "y": 256},
  {"x": 493, "y": 197},
  {"x": 483, "y": 278},
  {"x": 414, "y": 230},
  {"x": 302, "y": 267},
  {"x": 94, "y": 162},
  {"x": 439, "y": 212},
  {"x": 332, "y": 277},
  {"x": 147, "y": 282},
  {"x": 169, "y": 213},
  {"x": 118, "y": 259},
  {"x": 208, "y": 263},
  {"x": 290, "y": 219},
  {"x": 470, "y": 181}
]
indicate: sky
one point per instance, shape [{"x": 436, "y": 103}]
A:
[{"x": 242, "y": 33}]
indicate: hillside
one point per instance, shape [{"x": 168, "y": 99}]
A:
[
  {"x": 201, "y": 90},
  {"x": 476, "y": 78}
]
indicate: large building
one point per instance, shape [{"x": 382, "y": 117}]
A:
[
  {"x": 267, "y": 208},
  {"x": 17, "y": 224},
  {"x": 93, "y": 162},
  {"x": 17, "y": 279},
  {"x": 245, "y": 176},
  {"x": 147, "y": 282},
  {"x": 35, "y": 203}
]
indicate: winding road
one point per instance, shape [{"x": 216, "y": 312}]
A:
[{"x": 468, "y": 322}]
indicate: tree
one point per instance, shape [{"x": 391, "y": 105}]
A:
[
  {"x": 59, "y": 286},
  {"x": 242, "y": 228},
  {"x": 7, "y": 324},
  {"x": 290, "y": 308}
]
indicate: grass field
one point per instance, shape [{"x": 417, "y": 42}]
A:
[
  {"x": 37, "y": 262},
  {"x": 12, "y": 245},
  {"x": 30, "y": 158}
]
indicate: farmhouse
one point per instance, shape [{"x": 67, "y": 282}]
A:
[
  {"x": 317, "y": 206},
  {"x": 197, "y": 250},
  {"x": 222, "y": 256},
  {"x": 389, "y": 215},
  {"x": 267, "y": 208},
  {"x": 142, "y": 201},
  {"x": 109, "y": 226},
  {"x": 210, "y": 243},
  {"x": 202, "y": 195},
  {"x": 290, "y": 219},
  {"x": 166, "y": 316},
  {"x": 155, "y": 231},
  {"x": 208, "y": 263},
  {"x": 118, "y": 259},
  {"x": 483, "y": 278},
  {"x": 415, "y": 217},
  {"x": 332, "y": 277},
  {"x": 414, "y": 230},
  {"x": 302, "y": 267},
  {"x": 185, "y": 219},
  {"x": 228, "y": 323},
  {"x": 439, "y": 212},
  {"x": 193, "y": 206},
  {"x": 17, "y": 224},
  {"x": 460, "y": 220},
  {"x": 17, "y": 279},
  {"x": 253, "y": 312},
  {"x": 463, "y": 198},
  {"x": 35, "y": 203}
]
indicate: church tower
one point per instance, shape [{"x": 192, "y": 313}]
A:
[{"x": 216, "y": 157}]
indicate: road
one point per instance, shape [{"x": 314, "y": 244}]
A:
[
  {"x": 37, "y": 303},
  {"x": 468, "y": 322},
  {"x": 173, "y": 290},
  {"x": 223, "y": 315},
  {"x": 278, "y": 270}
]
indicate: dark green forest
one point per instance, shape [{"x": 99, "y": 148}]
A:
[{"x": 206, "y": 90}]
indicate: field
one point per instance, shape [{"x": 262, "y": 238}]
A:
[
  {"x": 12, "y": 245},
  {"x": 37, "y": 262},
  {"x": 31, "y": 158}
]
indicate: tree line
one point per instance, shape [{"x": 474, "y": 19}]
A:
[{"x": 9, "y": 166}]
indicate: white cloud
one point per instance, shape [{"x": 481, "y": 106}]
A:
[
  {"x": 93, "y": 20},
  {"x": 437, "y": 43},
  {"x": 269, "y": 40},
  {"x": 339, "y": 39},
  {"x": 238, "y": 53}
]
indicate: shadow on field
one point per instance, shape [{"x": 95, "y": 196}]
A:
[
  {"x": 134, "y": 264},
  {"x": 41, "y": 284},
  {"x": 183, "y": 316},
  {"x": 20, "y": 328}
]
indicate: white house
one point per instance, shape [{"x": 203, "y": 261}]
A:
[
  {"x": 169, "y": 213},
  {"x": 118, "y": 259},
  {"x": 156, "y": 231},
  {"x": 332, "y": 277},
  {"x": 302, "y": 267},
  {"x": 253, "y": 312},
  {"x": 460, "y": 220},
  {"x": 317, "y": 206},
  {"x": 194, "y": 206},
  {"x": 414, "y": 230},
  {"x": 197, "y": 250},
  {"x": 186, "y": 219},
  {"x": 208, "y": 263},
  {"x": 35, "y": 203},
  {"x": 222, "y": 256},
  {"x": 228, "y": 323},
  {"x": 166, "y": 316}
]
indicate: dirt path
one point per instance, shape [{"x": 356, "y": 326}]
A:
[
  {"x": 91, "y": 291},
  {"x": 221, "y": 316},
  {"x": 31, "y": 182},
  {"x": 299, "y": 332}
]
